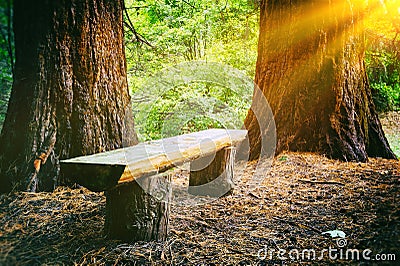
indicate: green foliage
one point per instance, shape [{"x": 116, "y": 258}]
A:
[
  {"x": 188, "y": 108},
  {"x": 386, "y": 97},
  {"x": 220, "y": 31},
  {"x": 383, "y": 69},
  {"x": 5, "y": 85},
  {"x": 6, "y": 48},
  {"x": 283, "y": 158},
  {"x": 160, "y": 121},
  {"x": 383, "y": 56},
  {"x": 180, "y": 31}
]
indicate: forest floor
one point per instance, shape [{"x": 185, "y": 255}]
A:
[{"x": 302, "y": 195}]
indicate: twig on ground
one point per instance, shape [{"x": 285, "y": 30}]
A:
[{"x": 321, "y": 182}]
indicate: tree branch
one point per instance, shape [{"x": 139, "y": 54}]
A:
[
  {"x": 128, "y": 23},
  {"x": 189, "y": 4}
]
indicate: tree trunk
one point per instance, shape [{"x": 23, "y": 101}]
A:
[
  {"x": 310, "y": 68},
  {"x": 70, "y": 95}
]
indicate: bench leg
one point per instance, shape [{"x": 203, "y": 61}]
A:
[
  {"x": 212, "y": 176},
  {"x": 134, "y": 214}
]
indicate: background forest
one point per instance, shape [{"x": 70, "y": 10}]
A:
[{"x": 162, "y": 33}]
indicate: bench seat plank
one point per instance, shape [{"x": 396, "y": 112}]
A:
[{"x": 148, "y": 157}]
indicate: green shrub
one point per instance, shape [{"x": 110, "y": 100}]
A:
[
  {"x": 386, "y": 98},
  {"x": 383, "y": 68}
]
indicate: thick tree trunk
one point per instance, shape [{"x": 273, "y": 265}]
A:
[
  {"x": 70, "y": 95},
  {"x": 310, "y": 69}
]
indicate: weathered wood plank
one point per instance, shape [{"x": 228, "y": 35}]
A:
[{"x": 156, "y": 156}]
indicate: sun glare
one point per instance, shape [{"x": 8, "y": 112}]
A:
[
  {"x": 342, "y": 21},
  {"x": 384, "y": 19}
]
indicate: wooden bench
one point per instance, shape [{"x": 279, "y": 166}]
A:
[{"x": 137, "y": 206}]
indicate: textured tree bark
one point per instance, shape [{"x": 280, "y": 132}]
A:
[
  {"x": 310, "y": 68},
  {"x": 212, "y": 175},
  {"x": 139, "y": 210},
  {"x": 70, "y": 95}
]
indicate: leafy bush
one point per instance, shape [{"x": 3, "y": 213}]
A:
[
  {"x": 383, "y": 68},
  {"x": 386, "y": 98}
]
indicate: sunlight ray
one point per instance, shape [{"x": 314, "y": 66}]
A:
[{"x": 304, "y": 25}]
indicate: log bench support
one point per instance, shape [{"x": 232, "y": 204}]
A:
[
  {"x": 212, "y": 175},
  {"x": 139, "y": 210}
]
